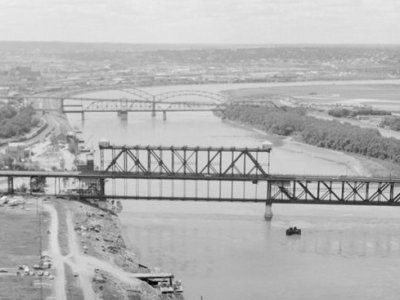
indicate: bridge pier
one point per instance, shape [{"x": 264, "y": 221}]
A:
[
  {"x": 123, "y": 115},
  {"x": 268, "y": 203},
  {"x": 83, "y": 116},
  {"x": 153, "y": 107},
  {"x": 164, "y": 115},
  {"x": 102, "y": 188},
  {"x": 10, "y": 181}
]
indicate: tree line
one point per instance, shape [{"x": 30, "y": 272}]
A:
[
  {"x": 351, "y": 113},
  {"x": 14, "y": 122},
  {"x": 392, "y": 122},
  {"x": 321, "y": 133}
]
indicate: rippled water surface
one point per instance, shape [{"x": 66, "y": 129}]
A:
[{"x": 228, "y": 251}]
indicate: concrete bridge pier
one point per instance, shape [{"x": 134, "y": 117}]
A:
[
  {"x": 102, "y": 188},
  {"x": 164, "y": 115},
  {"x": 83, "y": 116},
  {"x": 10, "y": 181},
  {"x": 153, "y": 107},
  {"x": 62, "y": 105},
  {"x": 268, "y": 203},
  {"x": 124, "y": 115}
]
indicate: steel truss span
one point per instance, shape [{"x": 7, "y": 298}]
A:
[
  {"x": 195, "y": 162},
  {"x": 271, "y": 188},
  {"x": 137, "y": 105},
  {"x": 346, "y": 190}
]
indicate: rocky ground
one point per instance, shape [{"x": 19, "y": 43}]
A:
[{"x": 98, "y": 233}]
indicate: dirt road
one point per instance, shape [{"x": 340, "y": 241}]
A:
[
  {"x": 80, "y": 263},
  {"x": 58, "y": 259}
]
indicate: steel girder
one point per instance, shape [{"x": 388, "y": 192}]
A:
[{"x": 345, "y": 191}]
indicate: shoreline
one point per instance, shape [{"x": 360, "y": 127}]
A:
[
  {"x": 357, "y": 163},
  {"x": 76, "y": 251}
]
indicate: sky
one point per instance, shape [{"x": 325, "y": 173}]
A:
[{"x": 202, "y": 21}]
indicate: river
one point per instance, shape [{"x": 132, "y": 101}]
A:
[{"x": 228, "y": 250}]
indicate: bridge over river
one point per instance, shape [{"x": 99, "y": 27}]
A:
[
  {"x": 217, "y": 173},
  {"x": 137, "y": 100}
]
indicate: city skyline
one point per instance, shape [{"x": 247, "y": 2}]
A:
[{"x": 202, "y": 21}]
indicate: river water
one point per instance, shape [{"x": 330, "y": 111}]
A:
[{"x": 228, "y": 251}]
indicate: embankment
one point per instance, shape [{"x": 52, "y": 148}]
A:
[
  {"x": 287, "y": 133},
  {"x": 101, "y": 244}
]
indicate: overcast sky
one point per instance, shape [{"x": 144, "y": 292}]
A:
[{"x": 202, "y": 21}]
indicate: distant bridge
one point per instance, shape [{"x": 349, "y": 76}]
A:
[
  {"x": 140, "y": 101},
  {"x": 143, "y": 102}
]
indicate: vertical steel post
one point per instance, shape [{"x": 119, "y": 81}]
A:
[
  {"x": 197, "y": 161},
  {"x": 184, "y": 161},
  {"x": 220, "y": 161},
  {"x": 148, "y": 160},
  {"x": 208, "y": 161},
  {"x": 101, "y": 159}
]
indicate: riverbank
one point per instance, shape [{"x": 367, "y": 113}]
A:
[
  {"x": 353, "y": 164},
  {"x": 90, "y": 258},
  {"x": 90, "y": 244}
]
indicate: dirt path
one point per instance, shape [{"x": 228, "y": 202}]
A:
[
  {"x": 58, "y": 260},
  {"x": 80, "y": 263},
  {"x": 86, "y": 264},
  {"x": 76, "y": 262}
]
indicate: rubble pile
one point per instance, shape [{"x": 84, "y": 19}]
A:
[
  {"x": 100, "y": 235},
  {"x": 12, "y": 201}
]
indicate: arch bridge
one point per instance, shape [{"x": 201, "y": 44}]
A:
[{"x": 138, "y": 101}]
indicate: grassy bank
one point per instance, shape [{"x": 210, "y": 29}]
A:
[{"x": 321, "y": 133}]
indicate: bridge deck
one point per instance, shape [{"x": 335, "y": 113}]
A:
[
  {"x": 155, "y": 175},
  {"x": 301, "y": 189}
]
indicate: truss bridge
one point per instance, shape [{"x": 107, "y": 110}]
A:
[
  {"x": 137, "y": 100},
  {"x": 202, "y": 174}
]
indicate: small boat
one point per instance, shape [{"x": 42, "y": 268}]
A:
[{"x": 293, "y": 230}]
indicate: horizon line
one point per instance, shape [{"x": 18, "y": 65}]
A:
[{"x": 201, "y": 43}]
